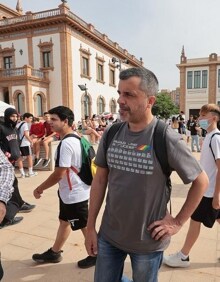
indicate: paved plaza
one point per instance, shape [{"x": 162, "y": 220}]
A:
[{"x": 37, "y": 231}]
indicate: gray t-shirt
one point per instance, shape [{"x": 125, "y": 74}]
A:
[{"x": 136, "y": 186}]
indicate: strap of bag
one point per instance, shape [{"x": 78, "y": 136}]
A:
[
  {"x": 72, "y": 168},
  {"x": 160, "y": 148},
  {"x": 19, "y": 129},
  {"x": 111, "y": 133},
  {"x": 210, "y": 145}
]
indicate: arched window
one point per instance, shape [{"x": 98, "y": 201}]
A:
[
  {"x": 101, "y": 105},
  {"x": 20, "y": 103},
  {"x": 113, "y": 106},
  {"x": 39, "y": 104}
]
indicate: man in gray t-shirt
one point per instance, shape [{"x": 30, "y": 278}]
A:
[{"x": 135, "y": 220}]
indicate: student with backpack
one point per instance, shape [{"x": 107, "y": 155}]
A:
[
  {"x": 136, "y": 221},
  {"x": 208, "y": 210},
  {"x": 73, "y": 192},
  {"x": 26, "y": 144}
]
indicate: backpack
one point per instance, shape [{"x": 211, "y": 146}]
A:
[
  {"x": 159, "y": 141},
  {"x": 88, "y": 154},
  {"x": 210, "y": 145},
  {"x": 18, "y": 130}
]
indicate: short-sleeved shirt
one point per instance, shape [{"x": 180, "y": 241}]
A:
[
  {"x": 192, "y": 127},
  {"x": 70, "y": 155},
  {"x": 37, "y": 129},
  {"x": 49, "y": 130},
  {"x": 207, "y": 160},
  {"x": 136, "y": 188},
  {"x": 24, "y": 127}
]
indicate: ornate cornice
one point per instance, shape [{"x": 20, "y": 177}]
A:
[{"x": 62, "y": 16}]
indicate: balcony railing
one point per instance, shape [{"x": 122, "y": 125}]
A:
[
  {"x": 64, "y": 11},
  {"x": 25, "y": 71}
]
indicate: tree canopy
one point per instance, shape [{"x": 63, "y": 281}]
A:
[{"x": 164, "y": 106}]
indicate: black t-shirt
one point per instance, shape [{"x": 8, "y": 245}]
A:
[{"x": 192, "y": 127}]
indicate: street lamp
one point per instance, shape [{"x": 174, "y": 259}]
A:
[
  {"x": 83, "y": 87},
  {"x": 119, "y": 62}
]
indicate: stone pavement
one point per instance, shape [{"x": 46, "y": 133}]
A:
[{"x": 37, "y": 231}]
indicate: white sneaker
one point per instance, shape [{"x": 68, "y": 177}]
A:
[
  {"x": 176, "y": 260},
  {"x": 22, "y": 175},
  {"x": 31, "y": 174}
]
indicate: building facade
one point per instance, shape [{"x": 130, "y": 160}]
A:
[
  {"x": 199, "y": 82},
  {"x": 53, "y": 58}
]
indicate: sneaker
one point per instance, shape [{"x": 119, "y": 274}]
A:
[
  {"x": 22, "y": 175},
  {"x": 37, "y": 162},
  {"x": 45, "y": 162},
  {"x": 48, "y": 257},
  {"x": 34, "y": 173},
  {"x": 87, "y": 262},
  {"x": 13, "y": 221},
  {"x": 27, "y": 207},
  {"x": 176, "y": 260}
]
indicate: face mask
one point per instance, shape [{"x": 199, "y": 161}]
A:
[{"x": 204, "y": 124}]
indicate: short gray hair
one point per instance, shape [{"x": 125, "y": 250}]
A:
[{"x": 149, "y": 83}]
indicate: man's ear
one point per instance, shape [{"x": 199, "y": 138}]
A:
[{"x": 151, "y": 100}]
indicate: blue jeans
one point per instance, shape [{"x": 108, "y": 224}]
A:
[
  {"x": 110, "y": 264},
  {"x": 195, "y": 139}
]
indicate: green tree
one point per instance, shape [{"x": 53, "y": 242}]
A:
[{"x": 164, "y": 106}]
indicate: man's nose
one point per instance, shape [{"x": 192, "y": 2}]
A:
[{"x": 121, "y": 100}]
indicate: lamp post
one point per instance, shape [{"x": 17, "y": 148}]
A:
[
  {"x": 83, "y": 87},
  {"x": 119, "y": 62}
]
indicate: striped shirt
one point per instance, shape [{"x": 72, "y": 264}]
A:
[{"x": 6, "y": 178}]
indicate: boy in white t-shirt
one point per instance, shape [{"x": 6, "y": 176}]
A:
[
  {"x": 208, "y": 210},
  {"x": 25, "y": 146},
  {"x": 73, "y": 193}
]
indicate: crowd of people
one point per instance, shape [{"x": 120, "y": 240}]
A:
[
  {"x": 136, "y": 221},
  {"x": 195, "y": 134}
]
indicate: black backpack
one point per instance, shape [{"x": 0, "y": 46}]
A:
[
  {"x": 159, "y": 141},
  {"x": 88, "y": 155}
]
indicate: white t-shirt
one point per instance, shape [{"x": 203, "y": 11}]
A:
[
  {"x": 22, "y": 129},
  {"x": 70, "y": 155},
  {"x": 207, "y": 160}
]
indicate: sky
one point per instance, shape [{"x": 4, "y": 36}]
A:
[{"x": 155, "y": 30}]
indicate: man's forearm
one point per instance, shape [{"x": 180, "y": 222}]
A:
[
  {"x": 50, "y": 181},
  {"x": 193, "y": 199}
]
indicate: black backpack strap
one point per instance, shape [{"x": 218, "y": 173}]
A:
[
  {"x": 20, "y": 125},
  {"x": 59, "y": 145},
  {"x": 210, "y": 145},
  {"x": 160, "y": 148},
  {"x": 111, "y": 133}
]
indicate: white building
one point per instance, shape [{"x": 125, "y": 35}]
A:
[{"x": 46, "y": 56}]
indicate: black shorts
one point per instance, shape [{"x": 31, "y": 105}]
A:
[
  {"x": 26, "y": 151},
  {"x": 76, "y": 214},
  {"x": 205, "y": 213}
]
